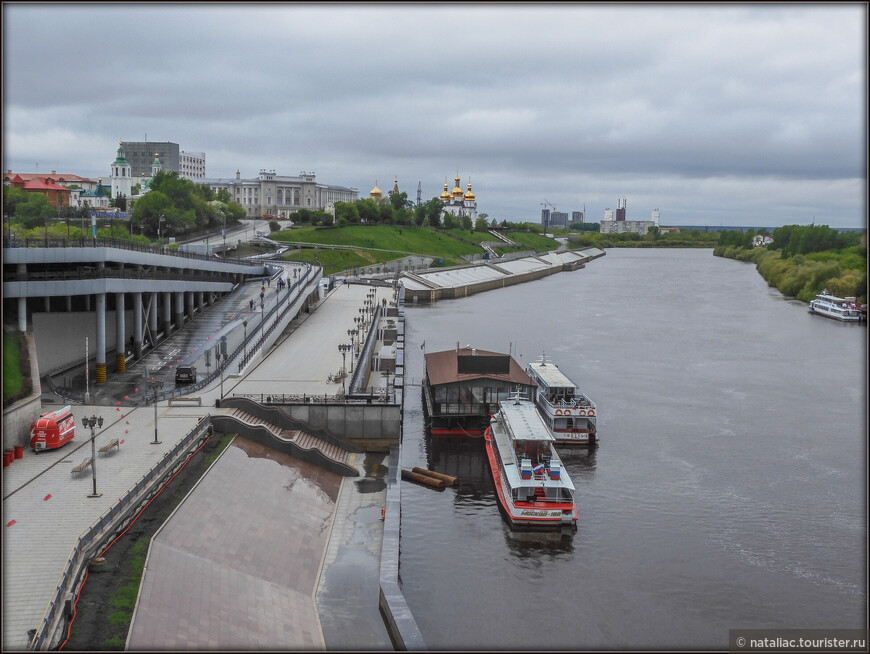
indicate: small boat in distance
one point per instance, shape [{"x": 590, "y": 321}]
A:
[
  {"x": 844, "y": 309},
  {"x": 569, "y": 414},
  {"x": 532, "y": 487}
]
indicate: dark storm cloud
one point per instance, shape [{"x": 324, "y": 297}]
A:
[{"x": 723, "y": 112}]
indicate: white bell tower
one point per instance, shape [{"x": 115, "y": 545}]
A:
[{"x": 121, "y": 175}]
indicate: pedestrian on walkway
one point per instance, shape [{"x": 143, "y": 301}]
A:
[{"x": 251, "y": 303}]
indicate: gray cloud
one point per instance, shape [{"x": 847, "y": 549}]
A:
[{"x": 720, "y": 114}]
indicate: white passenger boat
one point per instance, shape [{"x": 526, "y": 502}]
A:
[
  {"x": 838, "y": 308},
  {"x": 569, "y": 414},
  {"x": 532, "y": 487}
]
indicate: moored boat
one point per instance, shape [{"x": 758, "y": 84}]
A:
[
  {"x": 845, "y": 309},
  {"x": 462, "y": 388},
  {"x": 532, "y": 487},
  {"x": 570, "y": 414}
]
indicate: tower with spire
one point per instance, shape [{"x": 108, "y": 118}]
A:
[{"x": 121, "y": 174}]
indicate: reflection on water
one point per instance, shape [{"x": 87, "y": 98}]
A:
[{"x": 525, "y": 543}]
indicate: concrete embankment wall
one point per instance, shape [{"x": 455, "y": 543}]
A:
[{"x": 18, "y": 417}]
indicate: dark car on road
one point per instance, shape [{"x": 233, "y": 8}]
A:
[{"x": 186, "y": 374}]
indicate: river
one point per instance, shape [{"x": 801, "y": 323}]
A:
[{"x": 728, "y": 491}]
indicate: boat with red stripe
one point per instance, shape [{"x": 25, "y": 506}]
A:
[
  {"x": 570, "y": 414},
  {"x": 531, "y": 484}
]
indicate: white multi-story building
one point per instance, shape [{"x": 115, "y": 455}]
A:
[
  {"x": 191, "y": 165},
  {"x": 654, "y": 216},
  {"x": 625, "y": 226},
  {"x": 278, "y": 196},
  {"x": 608, "y": 214}
]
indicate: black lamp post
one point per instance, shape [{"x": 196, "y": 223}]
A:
[
  {"x": 245, "y": 340},
  {"x": 92, "y": 422},
  {"x": 352, "y": 334},
  {"x": 217, "y": 357},
  {"x": 155, "y": 385},
  {"x": 343, "y": 348}
]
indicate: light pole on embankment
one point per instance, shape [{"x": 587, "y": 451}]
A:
[
  {"x": 92, "y": 422},
  {"x": 155, "y": 385}
]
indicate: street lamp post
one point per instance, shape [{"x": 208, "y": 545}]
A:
[
  {"x": 262, "y": 316},
  {"x": 352, "y": 335},
  {"x": 245, "y": 341},
  {"x": 160, "y": 229},
  {"x": 343, "y": 348},
  {"x": 217, "y": 357},
  {"x": 92, "y": 422},
  {"x": 155, "y": 385}
]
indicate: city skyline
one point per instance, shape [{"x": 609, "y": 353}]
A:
[{"x": 713, "y": 114}]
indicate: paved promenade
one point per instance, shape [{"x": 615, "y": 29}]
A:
[{"x": 46, "y": 507}]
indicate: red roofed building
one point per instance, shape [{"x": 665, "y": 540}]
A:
[{"x": 57, "y": 195}]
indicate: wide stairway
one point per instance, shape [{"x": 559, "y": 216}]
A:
[{"x": 302, "y": 439}]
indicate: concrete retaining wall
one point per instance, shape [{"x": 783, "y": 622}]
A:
[{"x": 18, "y": 417}]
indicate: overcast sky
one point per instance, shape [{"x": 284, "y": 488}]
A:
[{"x": 713, "y": 114}]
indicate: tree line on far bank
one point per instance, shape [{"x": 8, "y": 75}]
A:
[{"x": 804, "y": 260}]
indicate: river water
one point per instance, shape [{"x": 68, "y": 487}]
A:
[{"x": 728, "y": 491}]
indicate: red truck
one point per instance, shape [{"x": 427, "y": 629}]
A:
[{"x": 51, "y": 430}]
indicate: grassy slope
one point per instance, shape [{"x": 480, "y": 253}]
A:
[
  {"x": 401, "y": 240},
  {"x": 12, "y": 376}
]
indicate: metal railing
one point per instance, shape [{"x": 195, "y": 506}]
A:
[
  {"x": 89, "y": 541},
  {"x": 92, "y": 272},
  {"x": 121, "y": 244}
]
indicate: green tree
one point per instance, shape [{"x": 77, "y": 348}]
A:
[
  {"x": 12, "y": 197},
  {"x": 274, "y": 226},
  {"x": 35, "y": 211},
  {"x": 149, "y": 208},
  {"x": 399, "y": 201},
  {"x": 480, "y": 225},
  {"x": 432, "y": 210},
  {"x": 346, "y": 213},
  {"x": 450, "y": 221},
  {"x": 466, "y": 223},
  {"x": 368, "y": 210}
]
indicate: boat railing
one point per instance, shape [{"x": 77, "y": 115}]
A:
[{"x": 577, "y": 402}]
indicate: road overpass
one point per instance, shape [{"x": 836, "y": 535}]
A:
[{"x": 153, "y": 290}]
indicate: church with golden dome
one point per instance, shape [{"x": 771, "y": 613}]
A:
[{"x": 458, "y": 203}]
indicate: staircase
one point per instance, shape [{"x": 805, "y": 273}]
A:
[{"x": 302, "y": 440}]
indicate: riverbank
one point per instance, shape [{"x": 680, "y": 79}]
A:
[{"x": 805, "y": 276}]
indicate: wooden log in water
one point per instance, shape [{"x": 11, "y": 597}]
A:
[
  {"x": 447, "y": 479},
  {"x": 423, "y": 479}
]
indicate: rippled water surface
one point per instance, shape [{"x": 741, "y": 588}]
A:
[{"x": 729, "y": 489}]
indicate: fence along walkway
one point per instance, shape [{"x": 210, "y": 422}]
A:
[{"x": 303, "y": 439}]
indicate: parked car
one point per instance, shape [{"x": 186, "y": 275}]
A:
[{"x": 185, "y": 374}]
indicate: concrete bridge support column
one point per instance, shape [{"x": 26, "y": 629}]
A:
[
  {"x": 120, "y": 334},
  {"x": 101, "y": 338},
  {"x": 167, "y": 314},
  {"x": 152, "y": 316},
  {"x": 47, "y": 304},
  {"x": 137, "y": 325},
  {"x": 22, "y": 314},
  {"x": 199, "y": 302},
  {"x": 189, "y": 303},
  {"x": 69, "y": 303},
  {"x": 179, "y": 309},
  {"x": 88, "y": 302}
]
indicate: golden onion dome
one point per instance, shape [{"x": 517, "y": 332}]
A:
[
  {"x": 445, "y": 195},
  {"x": 468, "y": 194},
  {"x": 457, "y": 192},
  {"x": 376, "y": 192}
]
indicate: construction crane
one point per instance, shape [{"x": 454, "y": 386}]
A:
[{"x": 545, "y": 203}]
